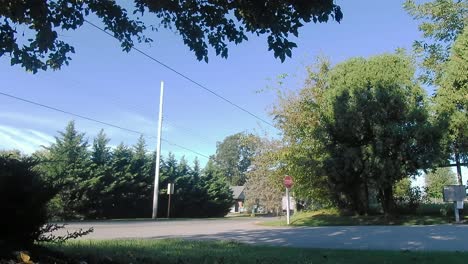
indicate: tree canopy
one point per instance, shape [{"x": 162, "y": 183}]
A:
[
  {"x": 99, "y": 182},
  {"x": 441, "y": 22},
  {"x": 359, "y": 125},
  {"x": 437, "y": 179},
  {"x": 263, "y": 187},
  {"x": 30, "y": 31},
  {"x": 451, "y": 103},
  {"x": 234, "y": 156}
]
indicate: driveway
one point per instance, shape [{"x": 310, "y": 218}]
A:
[{"x": 438, "y": 237}]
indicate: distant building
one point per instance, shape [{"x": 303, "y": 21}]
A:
[{"x": 238, "y": 197}]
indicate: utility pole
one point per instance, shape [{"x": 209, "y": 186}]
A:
[{"x": 158, "y": 154}]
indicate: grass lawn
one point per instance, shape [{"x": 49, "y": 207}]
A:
[
  {"x": 117, "y": 220},
  {"x": 181, "y": 251},
  {"x": 331, "y": 217}
]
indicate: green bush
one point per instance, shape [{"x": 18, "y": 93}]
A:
[
  {"x": 23, "y": 200},
  {"x": 443, "y": 209},
  {"x": 410, "y": 201}
]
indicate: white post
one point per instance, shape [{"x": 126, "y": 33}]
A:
[
  {"x": 457, "y": 214},
  {"x": 158, "y": 154},
  {"x": 288, "y": 207}
]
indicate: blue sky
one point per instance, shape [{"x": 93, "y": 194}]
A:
[{"x": 123, "y": 88}]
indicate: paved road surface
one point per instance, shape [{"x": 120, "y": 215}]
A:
[{"x": 440, "y": 237}]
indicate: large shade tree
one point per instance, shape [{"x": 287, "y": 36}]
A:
[
  {"x": 234, "y": 156},
  {"x": 441, "y": 21},
  {"x": 30, "y": 30},
  {"x": 366, "y": 124},
  {"x": 451, "y": 103},
  {"x": 436, "y": 180}
]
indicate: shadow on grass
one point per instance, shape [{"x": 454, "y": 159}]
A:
[
  {"x": 331, "y": 217},
  {"x": 437, "y": 237},
  {"x": 338, "y": 220},
  {"x": 183, "y": 251}
]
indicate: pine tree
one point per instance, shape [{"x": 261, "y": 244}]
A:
[
  {"x": 101, "y": 170},
  {"x": 118, "y": 201},
  {"x": 68, "y": 168},
  {"x": 196, "y": 168}
]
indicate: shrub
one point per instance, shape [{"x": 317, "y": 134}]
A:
[
  {"x": 23, "y": 200},
  {"x": 410, "y": 201}
]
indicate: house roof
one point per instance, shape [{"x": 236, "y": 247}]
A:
[{"x": 237, "y": 192}]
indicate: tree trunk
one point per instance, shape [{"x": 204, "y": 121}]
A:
[
  {"x": 386, "y": 199},
  {"x": 459, "y": 175},
  {"x": 458, "y": 164},
  {"x": 366, "y": 197},
  {"x": 357, "y": 200}
]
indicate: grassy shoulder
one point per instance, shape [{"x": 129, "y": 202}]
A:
[
  {"x": 126, "y": 220},
  {"x": 182, "y": 251},
  {"x": 331, "y": 217}
]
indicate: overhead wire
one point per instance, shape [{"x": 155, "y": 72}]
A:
[
  {"x": 99, "y": 121},
  {"x": 187, "y": 131},
  {"x": 186, "y": 77}
]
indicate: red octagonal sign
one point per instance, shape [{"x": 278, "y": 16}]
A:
[{"x": 288, "y": 181}]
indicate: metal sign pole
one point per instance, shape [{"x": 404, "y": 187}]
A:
[
  {"x": 287, "y": 206},
  {"x": 169, "y": 206}
]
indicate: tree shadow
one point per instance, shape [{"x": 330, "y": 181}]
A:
[{"x": 438, "y": 238}]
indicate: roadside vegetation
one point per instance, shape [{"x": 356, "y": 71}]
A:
[
  {"x": 353, "y": 137},
  {"x": 333, "y": 217}
]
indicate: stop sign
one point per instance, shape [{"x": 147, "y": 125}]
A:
[{"x": 288, "y": 181}]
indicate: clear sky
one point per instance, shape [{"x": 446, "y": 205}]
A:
[{"x": 121, "y": 88}]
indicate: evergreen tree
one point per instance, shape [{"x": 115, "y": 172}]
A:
[
  {"x": 68, "y": 168},
  {"x": 196, "y": 171},
  {"x": 219, "y": 197},
  {"x": 101, "y": 169},
  {"x": 141, "y": 190},
  {"x": 100, "y": 154},
  {"x": 119, "y": 198}
]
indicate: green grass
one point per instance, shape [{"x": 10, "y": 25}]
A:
[
  {"x": 331, "y": 217},
  {"x": 117, "y": 220},
  {"x": 181, "y": 252}
]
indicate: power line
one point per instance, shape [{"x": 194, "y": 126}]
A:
[
  {"x": 98, "y": 121},
  {"x": 188, "y": 131},
  {"x": 186, "y": 77},
  {"x": 182, "y": 147}
]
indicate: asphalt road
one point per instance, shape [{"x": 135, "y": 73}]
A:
[{"x": 438, "y": 237}]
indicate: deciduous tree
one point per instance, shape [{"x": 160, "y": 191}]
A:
[
  {"x": 264, "y": 181},
  {"x": 201, "y": 24},
  {"x": 234, "y": 156},
  {"x": 451, "y": 103},
  {"x": 437, "y": 179},
  {"x": 365, "y": 122},
  {"x": 441, "y": 22}
]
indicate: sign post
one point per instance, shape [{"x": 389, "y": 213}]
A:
[
  {"x": 170, "y": 190},
  {"x": 455, "y": 194},
  {"x": 288, "y": 183}
]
